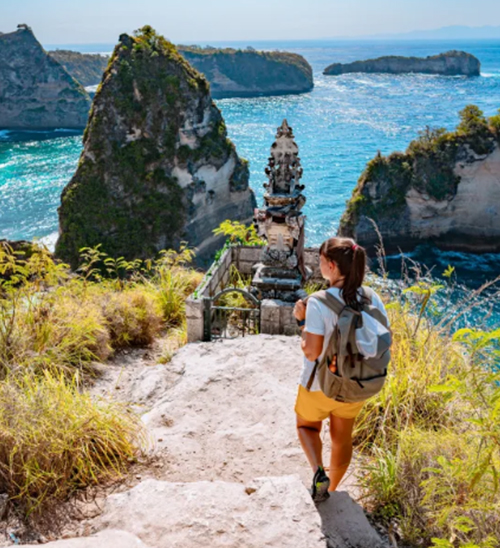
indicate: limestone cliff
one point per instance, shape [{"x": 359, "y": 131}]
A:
[
  {"x": 157, "y": 166},
  {"x": 86, "y": 68},
  {"x": 451, "y": 63},
  {"x": 35, "y": 90},
  {"x": 444, "y": 190},
  {"x": 250, "y": 73}
]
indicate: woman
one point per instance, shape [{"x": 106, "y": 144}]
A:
[{"x": 343, "y": 265}]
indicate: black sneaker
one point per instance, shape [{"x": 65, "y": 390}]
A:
[{"x": 321, "y": 482}]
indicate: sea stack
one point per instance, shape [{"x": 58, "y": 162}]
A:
[
  {"x": 444, "y": 190},
  {"x": 451, "y": 63},
  {"x": 157, "y": 167},
  {"x": 36, "y": 92}
]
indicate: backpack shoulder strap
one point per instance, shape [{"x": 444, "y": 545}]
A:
[
  {"x": 372, "y": 310},
  {"x": 367, "y": 294},
  {"x": 329, "y": 301}
]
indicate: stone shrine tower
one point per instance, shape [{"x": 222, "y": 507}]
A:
[{"x": 281, "y": 272}]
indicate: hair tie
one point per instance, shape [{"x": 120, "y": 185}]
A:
[{"x": 354, "y": 247}]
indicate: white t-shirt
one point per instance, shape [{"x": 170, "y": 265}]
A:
[{"x": 320, "y": 320}]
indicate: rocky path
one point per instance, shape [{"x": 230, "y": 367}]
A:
[{"x": 229, "y": 470}]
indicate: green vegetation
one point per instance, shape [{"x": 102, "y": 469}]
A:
[
  {"x": 431, "y": 438},
  {"x": 239, "y": 233},
  {"x": 427, "y": 166},
  {"x": 54, "y": 324}
]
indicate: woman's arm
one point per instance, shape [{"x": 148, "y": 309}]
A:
[{"x": 312, "y": 345}]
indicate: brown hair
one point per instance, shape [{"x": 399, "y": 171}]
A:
[{"x": 351, "y": 261}]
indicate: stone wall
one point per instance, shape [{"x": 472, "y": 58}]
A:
[{"x": 276, "y": 316}]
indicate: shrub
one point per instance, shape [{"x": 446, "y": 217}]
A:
[
  {"x": 239, "y": 233},
  {"x": 494, "y": 122},
  {"x": 173, "y": 281},
  {"x": 133, "y": 317},
  {"x": 50, "y": 319},
  {"x": 56, "y": 440},
  {"x": 45, "y": 325}
]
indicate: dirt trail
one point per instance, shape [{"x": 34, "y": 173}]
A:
[{"x": 228, "y": 467}]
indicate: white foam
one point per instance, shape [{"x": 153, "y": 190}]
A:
[{"x": 49, "y": 241}]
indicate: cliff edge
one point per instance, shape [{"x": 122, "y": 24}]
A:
[
  {"x": 444, "y": 190},
  {"x": 36, "y": 92},
  {"x": 451, "y": 63},
  {"x": 157, "y": 167}
]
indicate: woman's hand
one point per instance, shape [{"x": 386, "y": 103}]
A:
[{"x": 299, "y": 310}]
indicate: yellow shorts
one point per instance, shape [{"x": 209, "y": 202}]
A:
[{"x": 315, "y": 406}]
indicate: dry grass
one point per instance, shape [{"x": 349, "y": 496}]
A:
[
  {"x": 55, "y": 440},
  {"x": 133, "y": 317}
]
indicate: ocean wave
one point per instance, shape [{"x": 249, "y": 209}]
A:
[
  {"x": 4, "y": 133},
  {"x": 49, "y": 241}
]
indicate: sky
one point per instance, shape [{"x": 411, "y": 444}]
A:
[{"x": 202, "y": 21}]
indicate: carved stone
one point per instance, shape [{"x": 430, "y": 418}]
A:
[{"x": 281, "y": 270}]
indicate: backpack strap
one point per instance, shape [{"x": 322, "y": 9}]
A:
[
  {"x": 372, "y": 310},
  {"x": 311, "y": 378},
  {"x": 336, "y": 306},
  {"x": 329, "y": 301},
  {"x": 367, "y": 294}
]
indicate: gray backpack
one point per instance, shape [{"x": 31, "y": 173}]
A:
[{"x": 355, "y": 377}]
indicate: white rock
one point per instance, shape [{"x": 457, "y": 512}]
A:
[
  {"x": 279, "y": 513},
  {"x": 104, "y": 539},
  {"x": 345, "y": 525}
]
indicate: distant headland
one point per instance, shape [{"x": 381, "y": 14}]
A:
[
  {"x": 451, "y": 63},
  {"x": 250, "y": 73},
  {"x": 35, "y": 90}
]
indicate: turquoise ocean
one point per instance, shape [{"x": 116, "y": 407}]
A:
[{"x": 339, "y": 126}]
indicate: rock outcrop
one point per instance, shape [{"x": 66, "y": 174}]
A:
[
  {"x": 157, "y": 167},
  {"x": 451, "y": 63},
  {"x": 36, "y": 92},
  {"x": 250, "y": 73},
  {"x": 217, "y": 514},
  {"x": 86, "y": 68},
  {"x": 445, "y": 190}
]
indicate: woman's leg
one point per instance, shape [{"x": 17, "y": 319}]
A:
[
  {"x": 310, "y": 439},
  {"x": 341, "y": 435}
]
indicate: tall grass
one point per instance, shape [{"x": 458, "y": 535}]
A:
[
  {"x": 55, "y": 440},
  {"x": 431, "y": 438},
  {"x": 51, "y": 318}
]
